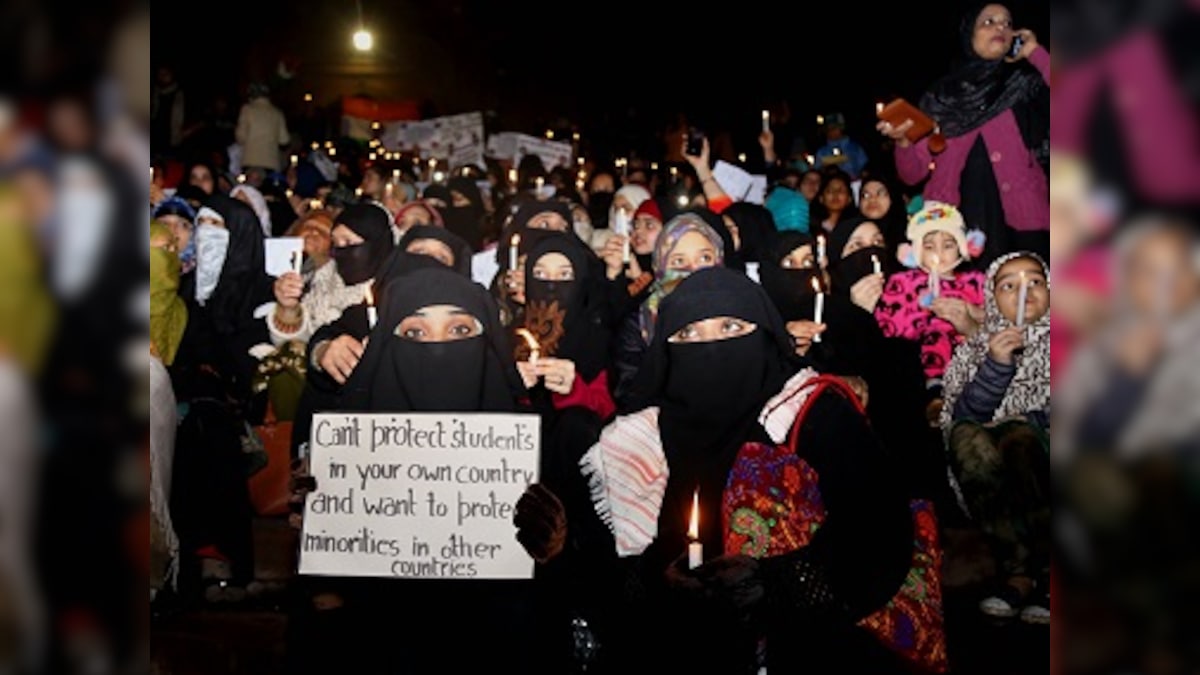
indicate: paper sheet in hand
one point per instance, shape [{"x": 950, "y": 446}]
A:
[
  {"x": 734, "y": 181},
  {"x": 284, "y": 254}
]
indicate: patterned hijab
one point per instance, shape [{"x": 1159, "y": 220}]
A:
[
  {"x": 666, "y": 280},
  {"x": 1030, "y": 386}
]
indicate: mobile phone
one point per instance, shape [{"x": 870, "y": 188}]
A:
[
  {"x": 1016, "y": 47},
  {"x": 695, "y": 142}
]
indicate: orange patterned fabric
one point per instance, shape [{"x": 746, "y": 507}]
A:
[{"x": 772, "y": 505}]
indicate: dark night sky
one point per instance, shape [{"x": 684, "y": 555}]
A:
[{"x": 616, "y": 67}]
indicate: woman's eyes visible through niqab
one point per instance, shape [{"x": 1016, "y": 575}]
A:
[
  {"x": 712, "y": 330},
  {"x": 439, "y": 323}
]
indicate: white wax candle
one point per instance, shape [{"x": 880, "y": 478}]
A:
[
  {"x": 821, "y": 250},
  {"x": 514, "y": 252},
  {"x": 1022, "y": 296},
  {"x": 372, "y": 313},
  {"x": 695, "y": 555},
  {"x": 766, "y": 117},
  {"x": 819, "y": 313},
  {"x": 935, "y": 279},
  {"x": 878, "y": 108},
  {"x": 875, "y": 263},
  {"x": 622, "y": 228}
]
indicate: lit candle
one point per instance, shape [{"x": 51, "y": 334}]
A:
[
  {"x": 742, "y": 157},
  {"x": 1022, "y": 296},
  {"x": 682, "y": 201},
  {"x": 821, "y": 250},
  {"x": 314, "y": 203},
  {"x": 535, "y": 350},
  {"x": 580, "y": 161},
  {"x": 514, "y": 252},
  {"x": 328, "y": 144},
  {"x": 812, "y": 161},
  {"x": 333, "y": 152},
  {"x": 432, "y": 163},
  {"x": 308, "y": 98},
  {"x": 295, "y": 160},
  {"x": 358, "y": 192},
  {"x": 371, "y": 156},
  {"x": 935, "y": 279},
  {"x": 316, "y": 145},
  {"x": 550, "y": 134},
  {"x": 819, "y": 312},
  {"x": 372, "y": 313},
  {"x": 438, "y": 176},
  {"x": 151, "y": 174},
  {"x": 539, "y": 182},
  {"x": 388, "y": 189},
  {"x": 654, "y": 166},
  {"x": 875, "y": 263},
  {"x": 579, "y": 184},
  {"x": 375, "y": 125},
  {"x": 241, "y": 178},
  {"x": 766, "y": 121},
  {"x": 575, "y": 136},
  {"x": 395, "y": 174},
  {"x": 820, "y": 119},
  {"x": 288, "y": 192},
  {"x": 878, "y": 107},
  {"x": 674, "y": 173},
  {"x": 695, "y": 548}
]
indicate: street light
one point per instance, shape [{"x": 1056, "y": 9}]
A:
[
  {"x": 363, "y": 40},
  {"x": 362, "y": 37}
]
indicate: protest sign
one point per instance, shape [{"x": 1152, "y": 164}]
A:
[
  {"x": 419, "y": 496},
  {"x": 456, "y": 139}
]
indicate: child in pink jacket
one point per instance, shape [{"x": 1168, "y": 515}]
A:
[{"x": 938, "y": 241}]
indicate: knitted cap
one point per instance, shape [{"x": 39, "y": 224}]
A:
[
  {"x": 938, "y": 217},
  {"x": 789, "y": 208},
  {"x": 649, "y": 208}
]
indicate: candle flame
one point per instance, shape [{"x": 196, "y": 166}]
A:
[
  {"x": 534, "y": 347},
  {"x": 878, "y": 108},
  {"x": 816, "y": 285},
  {"x": 694, "y": 523},
  {"x": 516, "y": 239}
]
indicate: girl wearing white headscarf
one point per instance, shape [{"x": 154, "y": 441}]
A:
[{"x": 995, "y": 419}]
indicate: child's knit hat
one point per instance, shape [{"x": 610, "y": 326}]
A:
[{"x": 940, "y": 217}]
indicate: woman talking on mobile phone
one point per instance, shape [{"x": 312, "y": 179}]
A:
[{"x": 993, "y": 111}]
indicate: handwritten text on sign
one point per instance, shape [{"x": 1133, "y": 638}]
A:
[{"x": 427, "y": 496}]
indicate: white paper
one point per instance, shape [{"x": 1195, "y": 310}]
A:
[
  {"x": 552, "y": 153},
  {"x": 757, "y": 193},
  {"x": 734, "y": 181},
  {"x": 283, "y": 254},
  {"x": 424, "y": 496}
]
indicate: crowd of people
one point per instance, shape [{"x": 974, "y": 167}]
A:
[{"x": 859, "y": 358}]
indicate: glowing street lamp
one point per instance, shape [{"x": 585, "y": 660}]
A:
[{"x": 363, "y": 40}]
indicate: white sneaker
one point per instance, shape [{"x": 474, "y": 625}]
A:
[
  {"x": 997, "y": 607},
  {"x": 1036, "y": 614}
]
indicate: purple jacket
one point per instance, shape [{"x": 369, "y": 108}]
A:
[{"x": 1023, "y": 186}]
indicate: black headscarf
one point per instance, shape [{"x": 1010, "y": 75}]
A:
[
  {"x": 978, "y": 90},
  {"x": 362, "y": 262},
  {"x": 439, "y": 192},
  {"x": 401, "y": 375},
  {"x": 529, "y": 235},
  {"x": 243, "y": 279},
  {"x": 894, "y": 223},
  {"x": 566, "y": 317},
  {"x": 790, "y": 288},
  {"x": 756, "y": 226},
  {"x": 458, "y": 247},
  {"x": 733, "y": 256},
  {"x": 466, "y": 221},
  {"x": 710, "y": 393},
  {"x": 845, "y": 271}
]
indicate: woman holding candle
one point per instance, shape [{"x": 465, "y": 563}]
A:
[
  {"x": 361, "y": 241},
  {"x": 996, "y": 425},
  {"x": 938, "y": 247},
  {"x": 567, "y": 313},
  {"x": 854, "y": 248},
  {"x": 719, "y": 354}
]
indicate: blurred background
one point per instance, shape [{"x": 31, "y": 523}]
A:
[{"x": 1125, "y": 187}]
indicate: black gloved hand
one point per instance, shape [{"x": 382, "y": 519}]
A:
[
  {"x": 794, "y": 584},
  {"x": 541, "y": 523},
  {"x": 733, "y": 585}
]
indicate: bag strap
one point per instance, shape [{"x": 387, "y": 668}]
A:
[{"x": 820, "y": 384}]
